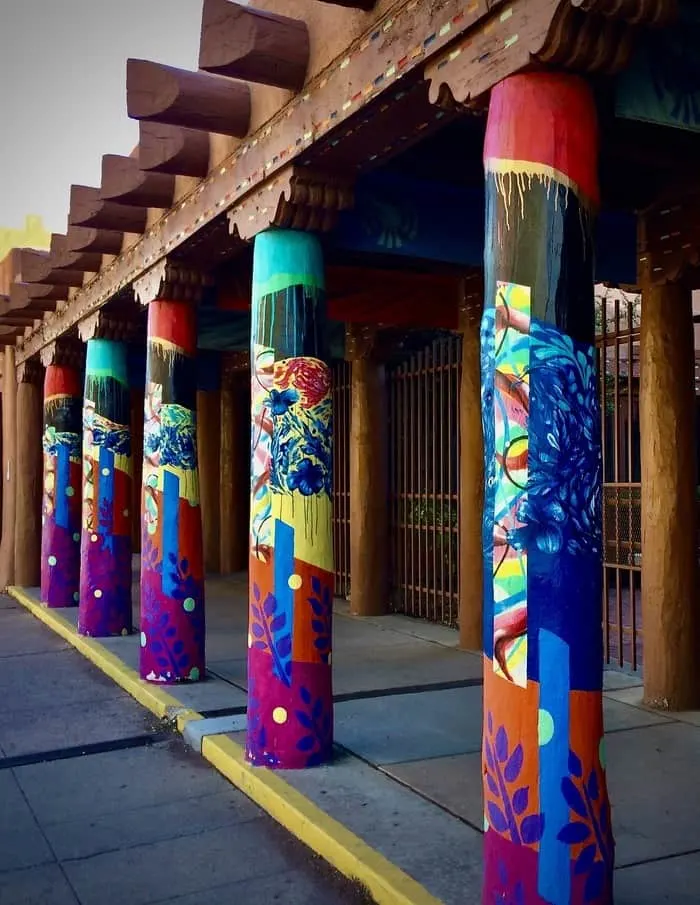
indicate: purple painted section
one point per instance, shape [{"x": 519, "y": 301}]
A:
[
  {"x": 289, "y": 725},
  {"x": 105, "y": 586}
]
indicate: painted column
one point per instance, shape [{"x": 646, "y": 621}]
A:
[
  {"x": 29, "y": 474},
  {"x": 60, "y": 535},
  {"x": 548, "y": 836},
  {"x": 172, "y": 569},
  {"x": 471, "y": 474},
  {"x": 369, "y": 540},
  {"x": 105, "y": 550},
  {"x": 9, "y": 464},
  {"x": 670, "y": 581},
  {"x": 290, "y": 704}
]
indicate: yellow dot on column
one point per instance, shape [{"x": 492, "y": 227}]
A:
[
  {"x": 294, "y": 582},
  {"x": 279, "y": 715}
]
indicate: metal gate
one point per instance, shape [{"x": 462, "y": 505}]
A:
[
  {"x": 424, "y": 481},
  {"x": 618, "y": 316}
]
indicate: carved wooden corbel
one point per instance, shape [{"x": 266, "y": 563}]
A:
[
  {"x": 65, "y": 351},
  {"x": 299, "y": 198},
  {"x": 30, "y": 371},
  {"x": 587, "y": 36},
  {"x": 117, "y": 326},
  {"x": 171, "y": 281}
]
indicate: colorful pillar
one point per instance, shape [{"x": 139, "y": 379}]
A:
[
  {"x": 105, "y": 551},
  {"x": 172, "y": 569},
  {"x": 60, "y": 534},
  {"x": 548, "y": 836},
  {"x": 290, "y": 702}
]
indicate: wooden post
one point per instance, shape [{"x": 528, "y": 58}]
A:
[
  {"x": 29, "y": 475},
  {"x": 548, "y": 836},
  {"x": 290, "y": 700},
  {"x": 670, "y": 581},
  {"x": 9, "y": 462},
  {"x": 235, "y": 462},
  {"x": 369, "y": 542},
  {"x": 471, "y": 473},
  {"x": 208, "y": 448}
]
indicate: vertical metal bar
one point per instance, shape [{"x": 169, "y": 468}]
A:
[
  {"x": 602, "y": 365},
  {"x": 438, "y": 346},
  {"x": 450, "y": 476},
  {"x": 406, "y": 481}
]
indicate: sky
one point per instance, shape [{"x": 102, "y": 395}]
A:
[{"x": 63, "y": 91}]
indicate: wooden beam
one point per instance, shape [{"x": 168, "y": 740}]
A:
[
  {"x": 17, "y": 320},
  {"x": 33, "y": 264},
  {"x": 47, "y": 292},
  {"x": 89, "y": 261},
  {"x": 365, "y": 5},
  {"x": 87, "y": 208},
  {"x": 177, "y": 97},
  {"x": 123, "y": 180},
  {"x": 246, "y": 43},
  {"x": 173, "y": 149},
  {"x": 95, "y": 241}
]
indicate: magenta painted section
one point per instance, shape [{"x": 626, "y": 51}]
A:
[
  {"x": 60, "y": 533},
  {"x": 105, "y": 575}
]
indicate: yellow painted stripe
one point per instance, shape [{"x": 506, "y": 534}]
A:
[
  {"x": 349, "y": 854},
  {"x": 337, "y": 845}
]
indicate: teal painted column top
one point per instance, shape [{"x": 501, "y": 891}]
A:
[
  {"x": 107, "y": 358},
  {"x": 284, "y": 258}
]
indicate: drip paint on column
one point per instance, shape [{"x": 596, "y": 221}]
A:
[
  {"x": 172, "y": 568},
  {"x": 60, "y": 533},
  {"x": 547, "y": 817},
  {"x": 105, "y": 574},
  {"x": 290, "y": 702}
]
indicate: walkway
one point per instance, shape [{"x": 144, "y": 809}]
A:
[
  {"x": 102, "y": 805},
  {"x": 407, "y": 776}
]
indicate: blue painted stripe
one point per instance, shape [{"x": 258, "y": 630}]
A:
[
  {"x": 107, "y": 358},
  {"x": 284, "y": 569},
  {"x": 105, "y": 483},
  {"x": 286, "y": 257},
  {"x": 553, "y": 874},
  {"x": 170, "y": 531},
  {"x": 62, "y": 484}
]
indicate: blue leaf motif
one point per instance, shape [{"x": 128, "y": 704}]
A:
[
  {"x": 278, "y": 623},
  {"x": 512, "y": 769},
  {"x": 306, "y": 743},
  {"x": 317, "y": 626},
  {"x": 259, "y": 645},
  {"x": 592, "y": 786},
  {"x": 305, "y": 695},
  {"x": 493, "y": 785},
  {"x": 531, "y": 828},
  {"x": 520, "y": 800},
  {"x": 256, "y": 594},
  {"x": 489, "y": 722},
  {"x": 304, "y": 719},
  {"x": 318, "y": 709},
  {"x": 574, "y": 833},
  {"x": 502, "y": 744},
  {"x": 178, "y": 647},
  {"x": 595, "y": 882},
  {"x": 257, "y": 630},
  {"x": 156, "y": 647},
  {"x": 321, "y": 643},
  {"x": 489, "y": 755},
  {"x": 575, "y": 765},
  {"x": 573, "y": 797},
  {"x": 171, "y": 632},
  {"x": 585, "y": 860},
  {"x": 316, "y": 585},
  {"x": 255, "y": 611},
  {"x": 316, "y": 606},
  {"x": 497, "y": 818},
  {"x": 284, "y": 646},
  {"x": 270, "y": 605}
]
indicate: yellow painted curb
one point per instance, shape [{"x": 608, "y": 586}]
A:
[
  {"x": 349, "y": 854},
  {"x": 337, "y": 845}
]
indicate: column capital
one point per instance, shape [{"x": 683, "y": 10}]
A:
[
  {"x": 116, "y": 326},
  {"x": 362, "y": 342},
  {"x": 297, "y": 198},
  {"x": 171, "y": 281},
  {"x": 65, "y": 351},
  {"x": 232, "y": 364},
  {"x": 30, "y": 371},
  {"x": 471, "y": 302}
]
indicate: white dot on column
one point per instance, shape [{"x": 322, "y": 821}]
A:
[
  {"x": 98, "y": 593},
  {"x": 105, "y": 471}
]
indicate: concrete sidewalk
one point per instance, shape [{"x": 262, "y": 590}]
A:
[
  {"x": 102, "y": 804},
  {"x": 406, "y": 779}
]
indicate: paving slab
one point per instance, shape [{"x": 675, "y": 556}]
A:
[
  {"x": 89, "y": 835},
  {"x": 182, "y": 866},
  {"x": 22, "y": 843},
  {"x": 407, "y": 727},
  {"x": 655, "y": 791},
  {"x": 614, "y": 680},
  {"x": 454, "y": 783},
  {"x": 20, "y": 636},
  {"x": 618, "y": 716},
  {"x": 44, "y": 885},
  {"x": 40, "y": 729},
  {"x": 671, "y": 881},
  {"x": 435, "y": 848},
  {"x": 115, "y": 781}
]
